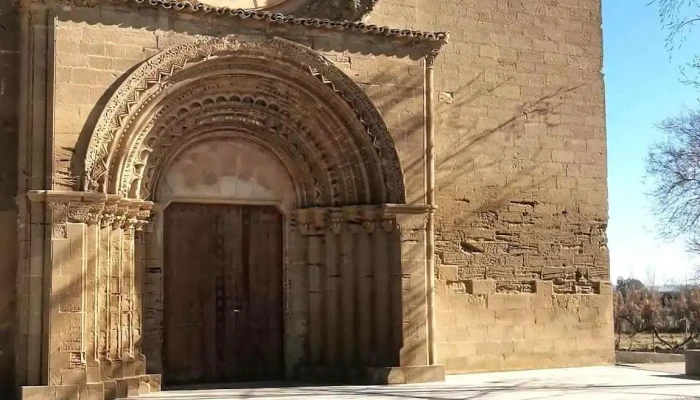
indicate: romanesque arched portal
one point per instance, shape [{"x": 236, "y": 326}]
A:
[
  {"x": 280, "y": 163},
  {"x": 281, "y": 94}
]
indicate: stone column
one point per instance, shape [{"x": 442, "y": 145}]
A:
[
  {"x": 296, "y": 302},
  {"x": 153, "y": 288},
  {"x": 363, "y": 274},
  {"x": 92, "y": 309},
  {"x": 406, "y": 267}
]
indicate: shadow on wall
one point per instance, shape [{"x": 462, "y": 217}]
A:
[
  {"x": 457, "y": 147},
  {"x": 75, "y": 157}
]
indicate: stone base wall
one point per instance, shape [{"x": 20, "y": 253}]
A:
[{"x": 487, "y": 331}]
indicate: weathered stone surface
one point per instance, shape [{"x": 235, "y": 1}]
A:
[{"x": 149, "y": 104}]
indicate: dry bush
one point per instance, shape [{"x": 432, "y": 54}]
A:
[{"x": 638, "y": 309}]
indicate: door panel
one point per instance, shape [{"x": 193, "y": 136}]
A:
[{"x": 223, "y": 293}]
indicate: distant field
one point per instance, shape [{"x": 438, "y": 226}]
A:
[{"x": 646, "y": 341}]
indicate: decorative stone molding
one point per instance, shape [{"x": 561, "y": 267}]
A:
[
  {"x": 431, "y": 57},
  {"x": 127, "y": 145},
  {"x": 333, "y": 15},
  {"x": 525, "y": 286},
  {"x": 367, "y": 218},
  {"x": 92, "y": 209},
  {"x": 338, "y": 10}
]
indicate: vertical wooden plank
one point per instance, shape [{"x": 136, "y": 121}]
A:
[
  {"x": 234, "y": 287},
  {"x": 188, "y": 238},
  {"x": 177, "y": 351},
  {"x": 249, "y": 314},
  {"x": 273, "y": 228},
  {"x": 258, "y": 291},
  {"x": 194, "y": 267},
  {"x": 207, "y": 258}
]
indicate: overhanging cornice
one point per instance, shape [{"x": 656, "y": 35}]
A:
[{"x": 415, "y": 37}]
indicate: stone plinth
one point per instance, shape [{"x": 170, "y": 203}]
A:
[{"x": 692, "y": 362}]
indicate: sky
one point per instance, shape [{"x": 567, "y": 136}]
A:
[{"x": 642, "y": 88}]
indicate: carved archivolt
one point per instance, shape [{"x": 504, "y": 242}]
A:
[{"x": 277, "y": 93}]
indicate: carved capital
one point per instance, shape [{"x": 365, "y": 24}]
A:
[
  {"x": 431, "y": 57},
  {"x": 59, "y": 212},
  {"x": 336, "y": 220},
  {"x": 86, "y": 213},
  {"x": 311, "y": 221},
  {"x": 91, "y": 209},
  {"x": 108, "y": 214},
  {"x": 388, "y": 223},
  {"x": 369, "y": 219}
]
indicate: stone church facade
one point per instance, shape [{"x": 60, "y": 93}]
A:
[{"x": 217, "y": 191}]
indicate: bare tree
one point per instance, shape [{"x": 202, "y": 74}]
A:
[
  {"x": 674, "y": 166},
  {"x": 679, "y": 18}
]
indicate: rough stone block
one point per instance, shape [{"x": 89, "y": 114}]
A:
[
  {"x": 544, "y": 288},
  {"x": 38, "y": 393},
  {"x": 92, "y": 391},
  {"x": 111, "y": 390},
  {"x": 402, "y": 375},
  {"x": 602, "y": 287},
  {"x": 481, "y": 286},
  {"x": 692, "y": 362},
  {"x": 67, "y": 392}
]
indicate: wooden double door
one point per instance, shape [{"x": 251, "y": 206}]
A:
[{"x": 223, "y": 318}]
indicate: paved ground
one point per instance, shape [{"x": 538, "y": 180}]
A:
[{"x": 651, "y": 381}]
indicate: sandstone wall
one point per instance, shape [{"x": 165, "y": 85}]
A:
[
  {"x": 9, "y": 93},
  {"x": 520, "y": 155},
  {"x": 96, "y": 49},
  {"x": 521, "y": 179}
]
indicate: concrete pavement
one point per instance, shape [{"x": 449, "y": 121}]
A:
[{"x": 650, "y": 381}]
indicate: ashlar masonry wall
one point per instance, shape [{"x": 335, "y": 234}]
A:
[{"x": 521, "y": 253}]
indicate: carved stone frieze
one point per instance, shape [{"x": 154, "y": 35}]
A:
[
  {"x": 249, "y": 118},
  {"x": 311, "y": 221},
  {"x": 336, "y": 221},
  {"x": 91, "y": 209},
  {"x": 369, "y": 217},
  {"x": 365, "y": 218},
  {"x": 430, "y": 58}
]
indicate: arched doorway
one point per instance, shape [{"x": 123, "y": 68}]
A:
[
  {"x": 224, "y": 127},
  {"x": 225, "y": 199}
]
